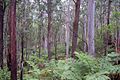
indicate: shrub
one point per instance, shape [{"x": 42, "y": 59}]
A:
[{"x": 4, "y": 74}]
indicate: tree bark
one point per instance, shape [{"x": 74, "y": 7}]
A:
[
  {"x": 49, "y": 35},
  {"x": 55, "y": 44},
  {"x": 45, "y": 44},
  {"x": 22, "y": 56},
  {"x": 75, "y": 27},
  {"x": 85, "y": 34},
  {"x": 1, "y": 33},
  {"x": 108, "y": 36},
  {"x": 12, "y": 27},
  {"x": 40, "y": 29},
  {"x": 108, "y": 13},
  {"x": 91, "y": 11},
  {"x": 67, "y": 29}
]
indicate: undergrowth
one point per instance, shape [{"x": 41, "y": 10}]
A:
[
  {"x": 4, "y": 74},
  {"x": 84, "y": 67}
]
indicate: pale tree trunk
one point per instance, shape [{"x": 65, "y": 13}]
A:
[
  {"x": 85, "y": 34},
  {"x": 75, "y": 27},
  {"x": 45, "y": 45},
  {"x": 91, "y": 33},
  {"x": 12, "y": 27},
  {"x": 67, "y": 29},
  {"x": 1, "y": 33}
]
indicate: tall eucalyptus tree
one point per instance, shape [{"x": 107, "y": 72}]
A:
[
  {"x": 12, "y": 27},
  {"x": 91, "y": 32},
  {"x": 67, "y": 28},
  {"x": 75, "y": 26},
  {"x": 49, "y": 34},
  {"x": 1, "y": 33}
]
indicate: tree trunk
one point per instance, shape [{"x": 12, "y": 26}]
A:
[
  {"x": 75, "y": 27},
  {"x": 40, "y": 29},
  {"x": 108, "y": 22},
  {"x": 55, "y": 44},
  {"x": 12, "y": 27},
  {"x": 40, "y": 37},
  {"x": 40, "y": 46},
  {"x": 49, "y": 35},
  {"x": 67, "y": 29},
  {"x": 91, "y": 11},
  {"x": 22, "y": 56},
  {"x": 108, "y": 14},
  {"x": 85, "y": 34},
  {"x": 1, "y": 33},
  {"x": 107, "y": 34}
]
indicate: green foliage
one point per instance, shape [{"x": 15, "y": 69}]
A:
[
  {"x": 107, "y": 63},
  {"x": 100, "y": 36},
  {"x": 60, "y": 49},
  {"x": 32, "y": 70},
  {"x": 84, "y": 67},
  {"x": 33, "y": 73},
  {"x": 110, "y": 29},
  {"x": 116, "y": 15},
  {"x": 98, "y": 76},
  {"x": 36, "y": 59},
  {"x": 112, "y": 57},
  {"x": 4, "y": 74}
]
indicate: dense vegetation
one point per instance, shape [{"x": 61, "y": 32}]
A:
[
  {"x": 59, "y": 39},
  {"x": 84, "y": 67}
]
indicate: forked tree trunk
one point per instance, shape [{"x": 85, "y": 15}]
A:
[
  {"x": 75, "y": 27},
  {"x": 1, "y": 33},
  {"x": 12, "y": 27},
  {"x": 91, "y": 11}
]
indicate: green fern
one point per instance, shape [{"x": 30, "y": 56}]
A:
[
  {"x": 4, "y": 74},
  {"x": 85, "y": 67}
]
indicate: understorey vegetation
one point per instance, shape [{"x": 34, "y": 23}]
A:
[
  {"x": 59, "y": 39},
  {"x": 83, "y": 67}
]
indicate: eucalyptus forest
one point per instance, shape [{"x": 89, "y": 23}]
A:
[{"x": 59, "y": 39}]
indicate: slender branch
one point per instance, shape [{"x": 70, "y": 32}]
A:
[{"x": 74, "y": 1}]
